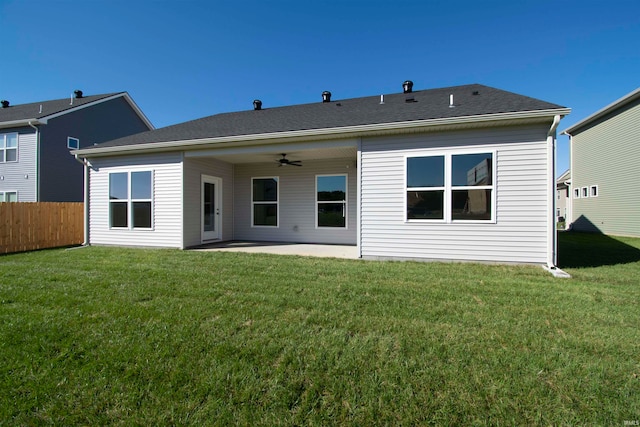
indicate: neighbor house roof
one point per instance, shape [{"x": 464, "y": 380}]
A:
[
  {"x": 339, "y": 116},
  {"x": 593, "y": 118},
  {"x": 40, "y": 112}
]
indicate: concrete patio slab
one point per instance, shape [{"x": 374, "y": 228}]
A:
[{"x": 300, "y": 249}]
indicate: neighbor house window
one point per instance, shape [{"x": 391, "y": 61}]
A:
[
  {"x": 73, "y": 143},
  {"x": 451, "y": 187},
  {"x": 130, "y": 199},
  {"x": 264, "y": 201},
  {"x": 8, "y": 147},
  {"x": 8, "y": 196},
  {"x": 585, "y": 192},
  {"x": 576, "y": 193},
  {"x": 331, "y": 201},
  {"x": 593, "y": 191}
]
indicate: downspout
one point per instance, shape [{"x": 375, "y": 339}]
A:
[
  {"x": 552, "y": 238},
  {"x": 37, "y": 160},
  {"x": 87, "y": 166}
]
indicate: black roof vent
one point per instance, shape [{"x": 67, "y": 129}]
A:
[
  {"x": 407, "y": 86},
  {"x": 5, "y": 103},
  {"x": 257, "y": 104},
  {"x": 78, "y": 94},
  {"x": 326, "y": 96},
  {"x": 475, "y": 92}
]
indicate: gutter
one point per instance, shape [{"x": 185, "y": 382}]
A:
[
  {"x": 86, "y": 165},
  {"x": 345, "y": 131}
]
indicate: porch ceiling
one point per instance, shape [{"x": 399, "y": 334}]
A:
[{"x": 273, "y": 153}]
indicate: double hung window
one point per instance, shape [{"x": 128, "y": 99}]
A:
[
  {"x": 131, "y": 199},
  {"x": 8, "y": 147},
  {"x": 331, "y": 201},
  {"x": 264, "y": 201},
  {"x": 73, "y": 143},
  {"x": 450, "y": 187}
]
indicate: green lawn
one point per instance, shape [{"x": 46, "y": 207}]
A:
[{"x": 115, "y": 336}]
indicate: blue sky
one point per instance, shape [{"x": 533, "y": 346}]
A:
[{"x": 182, "y": 60}]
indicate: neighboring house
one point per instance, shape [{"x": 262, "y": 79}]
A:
[
  {"x": 36, "y": 140},
  {"x": 605, "y": 160},
  {"x": 458, "y": 173},
  {"x": 563, "y": 197}
]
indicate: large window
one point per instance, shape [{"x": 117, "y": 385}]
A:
[
  {"x": 450, "y": 187},
  {"x": 264, "y": 201},
  {"x": 8, "y": 147},
  {"x": 130, "y": 199},
  {"x": 331, "y": 201},
  {"x": 8, "y": 196}
]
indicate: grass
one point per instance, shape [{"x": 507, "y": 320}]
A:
[{"x": 117, "y": 336}]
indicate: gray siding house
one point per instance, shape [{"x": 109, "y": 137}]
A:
[
  {"x": 605, "y": 160},
  {"x": 460, "y": 173},
  {"x": 36, "y": 141},
  {"x": 563, "y": 197}
]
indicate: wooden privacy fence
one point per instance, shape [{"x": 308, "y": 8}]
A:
[{"x": 29, "y": 226}]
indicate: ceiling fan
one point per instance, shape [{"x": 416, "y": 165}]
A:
[{"x": 286, "y": 162}]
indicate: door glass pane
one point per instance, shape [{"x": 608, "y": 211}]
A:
[
  {"x": 118, "y": 183},
  {"x": 471, "y": 204},
  {"x": 425, "y": 204},
  {"x": 471, "y": 169},
  {"x": 209, "y": 208},
  {"x": 425, "y": 171}
]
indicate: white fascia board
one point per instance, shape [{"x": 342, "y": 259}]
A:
[
  {"x": 22, "y": 122},
  {"x": 602, "y": 112},
  {"x": 339, "y": 132}
]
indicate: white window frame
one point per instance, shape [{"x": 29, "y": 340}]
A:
[
  {"x": 576, "y": 193},
  {"x": 4, "y": 148},
  {"x": 585, "y": 193},
  {"x": 344, "y": 202},
  {"x": 69, "y": 146},
  {"x": 269, "y": 202},
  {"x": 130, "y": 200},
  {"x": 448, "y": 187},
  {"x": 4, "y": 193},
  {"x": 594, "y": 191}
]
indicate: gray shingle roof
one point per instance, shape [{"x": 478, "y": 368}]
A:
[
  {"x": 469, "y": 100},
  {"x": 33, "y": 110}
]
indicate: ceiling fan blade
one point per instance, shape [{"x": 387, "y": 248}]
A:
[{"x": 295, "y": 164}]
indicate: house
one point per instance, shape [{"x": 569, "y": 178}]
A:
[
  {"x": 563, "y": 197},
  {"x": 605, "y": 159},
  {"x": 36, "y": 140},
  {"x": 458, "y": 173}
]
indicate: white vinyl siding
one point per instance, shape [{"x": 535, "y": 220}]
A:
[
  {"x": 522, "y": 206},
  {"x": 22, "y": 176},
  {"x": 167, "y": 201},
  {"x": 297, "y": 202}
]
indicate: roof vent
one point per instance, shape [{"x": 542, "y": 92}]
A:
[
  {"x": 5, "y": 103},
  {"x": 475, "y": 93},
  {"x": 78, "y": 94},
  {"x": 326, "y": 96},
  {"x": 407, "y": 86},
  {"x": 257, "y": 104}
]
